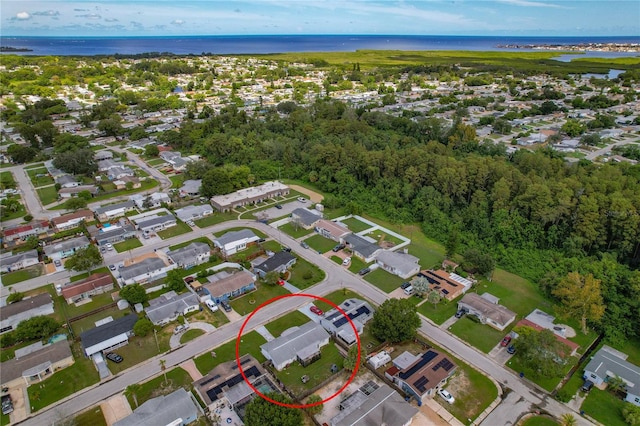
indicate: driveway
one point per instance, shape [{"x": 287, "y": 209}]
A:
[
  {"x": 115, "y": 408},
  {"x": 174, "y": 341}
]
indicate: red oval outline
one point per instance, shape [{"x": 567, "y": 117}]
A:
[{"x": 268, "y": 302}]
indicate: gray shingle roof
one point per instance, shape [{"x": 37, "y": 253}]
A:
[
  {"x": 360, "y": 245},
  {"x": 232, "y": 236},
  {"x": 73, "y": 243},
  {"x": 55, "y": 352},
  {"x": 186, "y": 254},
  {"x": 306, "y": 216},
  {"x": 10, "y": 260},
  {"x": 162, "y": 410},
  {"x": 275, "y": 261},
  {"x": 107, "y": 331},
  {"x": 404, "y": 263},
  {"x": 153, "y": 221},
  {"x": 189, "y": 212},
  {"x": 114, "y": 232},
  {"x": 147, "y": 265},
  {"x": 168, "y": 304},
  {"x": 124, "y": 204},
  {"x": 287, "y": 347},
  {"x": 604, "y": 364},
  {"x": 25, "y": 305}
]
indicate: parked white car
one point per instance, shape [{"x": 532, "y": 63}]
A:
[
  {"x": 346, "y": 261},
  {"x": 179, "y": 329},
  {"x": 446, "y": 396},
  {"x": 211, "y": 305}
]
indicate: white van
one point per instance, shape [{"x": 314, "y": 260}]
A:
[
  {"x": 211, "y": 305},
  {"x": 408, "y": 291}
]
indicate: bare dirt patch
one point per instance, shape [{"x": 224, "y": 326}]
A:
[
  {"x": 314, "y": 196},
  {"x": 460, "y": 387}
]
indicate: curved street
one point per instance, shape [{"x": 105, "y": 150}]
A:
[{"x": 336, "y": 278}]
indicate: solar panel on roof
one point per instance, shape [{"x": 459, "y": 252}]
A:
[
  {"x": 244, "y": 361},
  {"x": 445, "y": 291},
  {"x": 346, "y": 304},
  {"x": 424, "y": 360},
  {"x": 420, "y": 384},
  {"x": 369, "y": 387},
  {"x": 448, "y": 366}
]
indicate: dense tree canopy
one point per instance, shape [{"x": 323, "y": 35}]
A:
[
  {"x": 395, "y": 320},
  {"x": 261, "y": 412},
  {"x": 540, "y": 351},
  {"x": 84, "y": 259},
  {"x": 134, "y": 293}
]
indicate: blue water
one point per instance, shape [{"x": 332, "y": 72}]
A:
[{"x": 87, "y": 46}]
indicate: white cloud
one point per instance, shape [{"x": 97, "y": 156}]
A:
[
  {"x": 46, "y": 13},
  {"x": 177, "y": 22},
  {"x": 528, "y": 3},
  {"x": 23, "y": 16}
]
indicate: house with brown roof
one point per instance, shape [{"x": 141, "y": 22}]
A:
[
  {"x": 22, "y": 232},
  {"x": 225, "y": 285},
  {"x": 449, "y": 285},
  {"x": 90, "y": 286},
  {"x": 487, "y": 309},
  {"x": 331, "y": 230},
  {"x": 421, "y": 375},
  {"x": 12, "y": 314},
  {"x": 71, "y": 220},
  {"x": 35, "y": 363}
]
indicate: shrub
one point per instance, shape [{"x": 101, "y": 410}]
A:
[{"x": 28, "y": 218}]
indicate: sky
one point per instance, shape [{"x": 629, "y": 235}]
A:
[{"x": 301, "y": 17}]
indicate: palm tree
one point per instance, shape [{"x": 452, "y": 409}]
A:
[
  {"x": 567, "y": 419},
  {"x": 163, "y": 367},
  {"x": 615, "y": 384},
  {"x": 131, "y": 391}
]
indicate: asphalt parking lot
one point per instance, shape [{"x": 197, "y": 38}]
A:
[{"x": 287, "y": 208}]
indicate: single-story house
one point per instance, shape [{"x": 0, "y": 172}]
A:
[
  {"x": 169, "y": 306},
  {"x": 225, "y": 386},
  {"x": 246, "y": 196},
  {"x": 374, "y": 404},
  {"x": 112, "y": 234},
  {"x": 421, "y": 375},
  {"x": 108, "y": 336},
  {"x": 332, "y": 230},
  {"x": 279, "y": 262},
  {"x": 112, "y": 211},
  {"x": 90, "y": 286},
  {"x": 151, "y": 201},
  {"x": 116, "y": 173},
  {"x": 450, "y": 285},
  {"x": 487, "y": 309},
  {"x": 71, "y": 220},
  {"x": 103, "y": 155},
  {"x": 12, "y": 314},
  {"x": 9, "y": 262},
  {"x": 73, "y": 192},
  {"x": 305, "y": 218},
  {"x": 194, "y": 254},
  {"x": 188, "y": 213},
  {"x": 35, "y": 363},
  {"x": 363, "y": 248},
  {"x": 378, "y": 360},
  {"x": 66, "y": 248},
  {"x": 234, "y": 241},
  {"x": 224, "y": 285},
  {"x": 400, "y": 264},
  {"x": 67, "y": 181},
  {"x": 121, "y": 182},
  {"x": 302, "y": 345},
  {"x": 358, "y": 311},
  {"x": 22, "y": 232},
  {"x": 190, "y": 188},
  {"x": 156, "y": 223},
  {"x": 608, "y": 363},
  {"x": 149, "y": 269},
  {"x": 177, "y": 408},
  {"x": 108, "y": 164}
]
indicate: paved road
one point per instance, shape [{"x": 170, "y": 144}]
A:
[
  {"x": 165, "y": 182},
  {"x": 29, "y": 196},
  {"x": 602, "y": 151},
  {"x": 336, "y": 278}
]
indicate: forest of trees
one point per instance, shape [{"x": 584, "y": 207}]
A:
[{"x": 537, "y": 215}]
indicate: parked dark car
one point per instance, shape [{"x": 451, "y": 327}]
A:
[
  {"x": 511, "y": 349},
  {"x": 338, "y": 248},
  {"x": 304, "y": 245},
  {"x": 7, "y": 404},
  {"x": 364, "y": 271},
  {"x": 460, "y": 313},
  {"x": 405, "y": 285},
  {"x": 112, "y": 356},
  {"x": 287, "y": 249},
  {"x": 586, "y": 386},
  {"x": 278, "y": 206},
  {"x": 226, "y": 306}
]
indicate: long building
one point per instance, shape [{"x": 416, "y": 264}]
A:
[{"x": 252, "y": 195}]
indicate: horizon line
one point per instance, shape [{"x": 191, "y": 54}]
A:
[{"x": 320, "y": 35}]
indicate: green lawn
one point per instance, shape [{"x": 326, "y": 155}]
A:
[
  {"x": 355, "y": 225},
  {"x": 4, "y": 419},
  {"x": 320, "y": 243},
  {"x": 129, "y": 244},
  {"x": 64, "y": 382},
  {"x": 295, "y": 231},
  {"x": 516, "y": 293},
  {"x": 88, "y": 323},
  {"x": 22, "y": 275},
  {"x": 481, "y": 336},
  {"x": 174, "y": 231},
  {"x": 190, "y": 335},
  {"x": 7, "y": 179},
  {"x": 48, "y": 194},
  {"x": 250, "y": 301},
  {"x": 214, "y": 219},
  {"x": 92, "y": 417},
  {"x": 384, "y": 280},
  {"x": 39, "y": 181},
  {"x": 21, "y": 212},
  {"x": 145, "y": 185},
  {"x": 176, "y": 181},
  {"x": 217, "y": 318},
  {"x": 155, "y": 162},
  {"x": 336, "y": 297},
  {"x": 250, "y": 343},
  {"x": 305, "y": 274},
  {"x": 292, "y": 319},
  {"x": 547, "y": 383},
  {"x": 440, "y": 312},
  {"x": 96, "y": 302},
  {"x": 630, "y": 347},
  {"x": 34, "y": 166},
  {"x": 140, "y": 349},
  {"x": 175, "y": 379},
  {"x": 86, "y": 274},
  {"x": 539, "y": 421},
  {"x": 604, "y": 407},
  {"x": 475, "y": 398},
  {"x": 318, "y": 371},
  {"x": 195, "y": 240},
  {"x": 356, "y": 265}
]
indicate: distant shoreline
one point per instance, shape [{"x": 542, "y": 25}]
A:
[
  {"x": 581, "y": 47},
  {"x": 14, "y": 49}
]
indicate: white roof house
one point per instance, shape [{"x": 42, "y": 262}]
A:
[
  {"x": 194, "y": 254},
  {"x": 146, "y": 270},
  {"x": 188, "y": 213},
  {"x": 177, "y": 408},
  {"x": 235, "y": 241},
  {"x": 302, "y": 344},
  {"x": 400, "y": 264},
  {"x": 169, "y": 306}
]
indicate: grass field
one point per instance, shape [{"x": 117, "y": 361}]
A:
[
  {"x": 96, "y": 301},
  {"x": 320, "y": 243},
  {"x": 64, "y": 382},
  {"x": 145, "y": 185},
  {"x": 155, "y": 162},
  {"x": 190, "y": 335},
  {"x": 317, "y": 372},
  {"x": 355, "y": 225},
  {"x": 42, "y": 180},
  {"x": 7, "y": 215},
  {"x": 88, "y": 323},
  {"x": 384, "y": 280},
  {"x": 548, "y": 383},
  {"x": 176, "y": 181},
  {"x": 516, "y": 293},
  {"x": 604, "y": 407},
  {"x": 22, "y": 275},
  {"x": 305, "y": 274},
  {"x": 7, "y": 180},
  {"x": 479, "y": 335},
  {"x": 247, "y": 303},
  {"x": 539, "y": 421},
  {"x": 250, "y": 343},
  {"x": 440, "y": 312},
  {"x": 295, "y": 231},
  {"x": 92, "y": 417},
  {"x": 140, "y": 349},
  {"x": 195, "y": 240},
  {"x": 176, "y": 378},
  {"x": 214, "y": 219},
  {"x": 292, "y": 319},
  {"x": 471, "y": 400},
  {"x": 129, "y": 244},
  {"x": 336, "y": 297},
  {"x": 48, "y": 194},
  {"x": 174, "y": 231}
]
